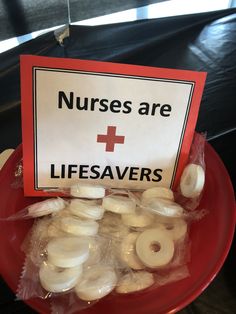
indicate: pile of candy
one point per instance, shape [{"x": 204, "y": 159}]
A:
[{"x": 95, "y": 242}]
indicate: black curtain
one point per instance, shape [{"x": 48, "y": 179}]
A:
[{"x": 20, "y": 17}]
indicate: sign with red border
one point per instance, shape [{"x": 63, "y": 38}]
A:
[{"x": 117, "y": 125}]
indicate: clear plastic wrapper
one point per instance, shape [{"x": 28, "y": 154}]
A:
[
  {"x": 39, "y": 209},
  {"x": 18, "y": 175},
  {"x": 111, "y": 266},
  {"x": 196, "y": 158},
  {"x": 81, "y": 190},
  {"x": 34, "y": 248}
]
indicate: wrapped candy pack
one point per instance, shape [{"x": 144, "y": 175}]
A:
[{"x": 100, "y": 242}]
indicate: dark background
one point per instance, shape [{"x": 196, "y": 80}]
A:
[
  {"x": 20, "y": 17},
  {"x": 201, "y": 42}
]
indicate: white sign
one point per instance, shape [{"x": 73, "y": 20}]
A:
[{"x": 118, "y": 129}]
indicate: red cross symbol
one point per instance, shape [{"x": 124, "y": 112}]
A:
[{"x": 110, "y": 139}]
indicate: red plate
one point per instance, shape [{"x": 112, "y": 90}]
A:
[{"x": 211, "y": 239}]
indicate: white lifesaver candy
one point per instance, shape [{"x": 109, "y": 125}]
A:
[
  {"x": 164, "y": 207},
  {"x": 163, "y": 219},
  {"x": 54, "y": 230},
  {"x": 79, "y": 227},
  {"x": 86, "y": 209},
  {"x": 87, "y": 191},
  {"x": 176, "y": 227},
  {"x": 155, "y": 247},
  {"x": 119, "y": 204},
  {"x": 46, "y": 207},
  {"x": 94, "y": 252},
  {"x": 135, "y": 281},
  {"x": 113, "y": 227},
  {"x": 96, "y": 282},
  {"x": 113, "y": 231},
  {"x": 128, "y": 251},
  {"x": 62, "y": 213},
  {"x": 55, "y": 279},
  {"x": 159, "y": 192},
  {"x": 192, "y": 181},
  {"x": 67, "y": 251},
  {"x": 139, "y": 219}
]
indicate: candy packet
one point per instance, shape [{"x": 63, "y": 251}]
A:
[{"x": 102, "y": 242}]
